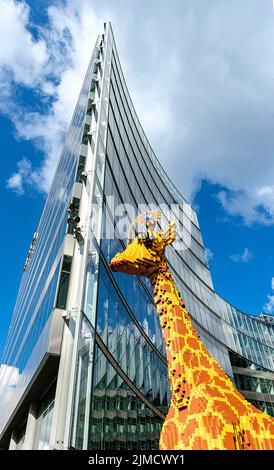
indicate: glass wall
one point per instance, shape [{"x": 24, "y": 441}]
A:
[
  {"x": 120, "y": 309},
  {"x": 265, "y": 406},
  {"x": 36, "y": 297},
  {"x": 125, "y": 318},
  {"x": 254, "y": 381},
  {"x": 44, "y": 421},
  {"x": 254, "y": 384},
  {"x": 118, "y": 400},
  {"x": 119, "y": 419}
]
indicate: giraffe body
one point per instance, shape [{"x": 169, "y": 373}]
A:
[{"x": 207, "y": 412}]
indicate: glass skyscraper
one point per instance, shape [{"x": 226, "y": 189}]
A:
[{"x": 84, "y": 363}]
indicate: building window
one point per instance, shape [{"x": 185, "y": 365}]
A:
[
  {"x": 44, "y": 422},
  {"x": 64, "y": 283},
  {"x": 98, "y": 90},
  {"x": 73, "y": 213},
  {"x": 92, "y": 111},
  {"x": 21, "y": 438},
  {"x": 85, "y": 134},
  {"x": 95, "y": 69},
  {"x": 80, "y": 169},
  {"x": 239, "y": 361},
  {"x": 266, "y": 407},
  {"x": 254, "y": 384},
  {"x": 92, "y": 86}
]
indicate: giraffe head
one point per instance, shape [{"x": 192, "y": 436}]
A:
[{"x": 146, "y": 253}]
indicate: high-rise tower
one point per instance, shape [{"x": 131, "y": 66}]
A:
[{"x": 84, "y": 363}]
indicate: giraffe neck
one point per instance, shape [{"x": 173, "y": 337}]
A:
[{"x": 185, "y": 351}]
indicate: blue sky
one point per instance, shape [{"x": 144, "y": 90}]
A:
[{"x": 203, "y": 90}]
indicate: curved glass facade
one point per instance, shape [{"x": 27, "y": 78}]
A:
[
  {"x": 119, "y": 381},
  {"x": 125, "y": 317}
]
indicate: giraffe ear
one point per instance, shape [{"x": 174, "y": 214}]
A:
[{"x": 169, "y": 234}]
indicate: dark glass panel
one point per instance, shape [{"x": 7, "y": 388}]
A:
[
  {"x": 64, "y": 283},
  {"x": 119, "y": 419}
]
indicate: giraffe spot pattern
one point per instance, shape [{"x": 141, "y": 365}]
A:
[{"x": 207, "y": 411}]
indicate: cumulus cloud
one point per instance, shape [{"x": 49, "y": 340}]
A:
[
  {"x": 253, "y": 206},
  {"x": 209, "y": 254},
  {"x": 24, "y": 177},
  {"x": 216, "y": 90},
  {"x": 15, "y": 183},
  {"x": 243, "y": 257},
  {"x": 20, "y": 54},
  {"x": 269, "y": 306},
  {"x": 201, "y": 77},
  {"x": 55, "y": 66}
]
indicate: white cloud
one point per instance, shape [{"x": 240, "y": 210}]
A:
[
  {"x": 216, "y": 90},
  {"x": 20, "y": 53},
  {"x": 67, "y": 42},
  {"x": 201, "y": 78},
  {"x": 16, "y": 184},
  {"x": 243, "y": 257},
  {"x": 255, "y": 206},
  {"x": 209, "y": 254},
  {"x": 269, "y": 306},
  {"x": 24, "y": 177}
]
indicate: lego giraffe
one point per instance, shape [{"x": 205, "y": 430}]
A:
[{"x": 207, "y": 412}]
